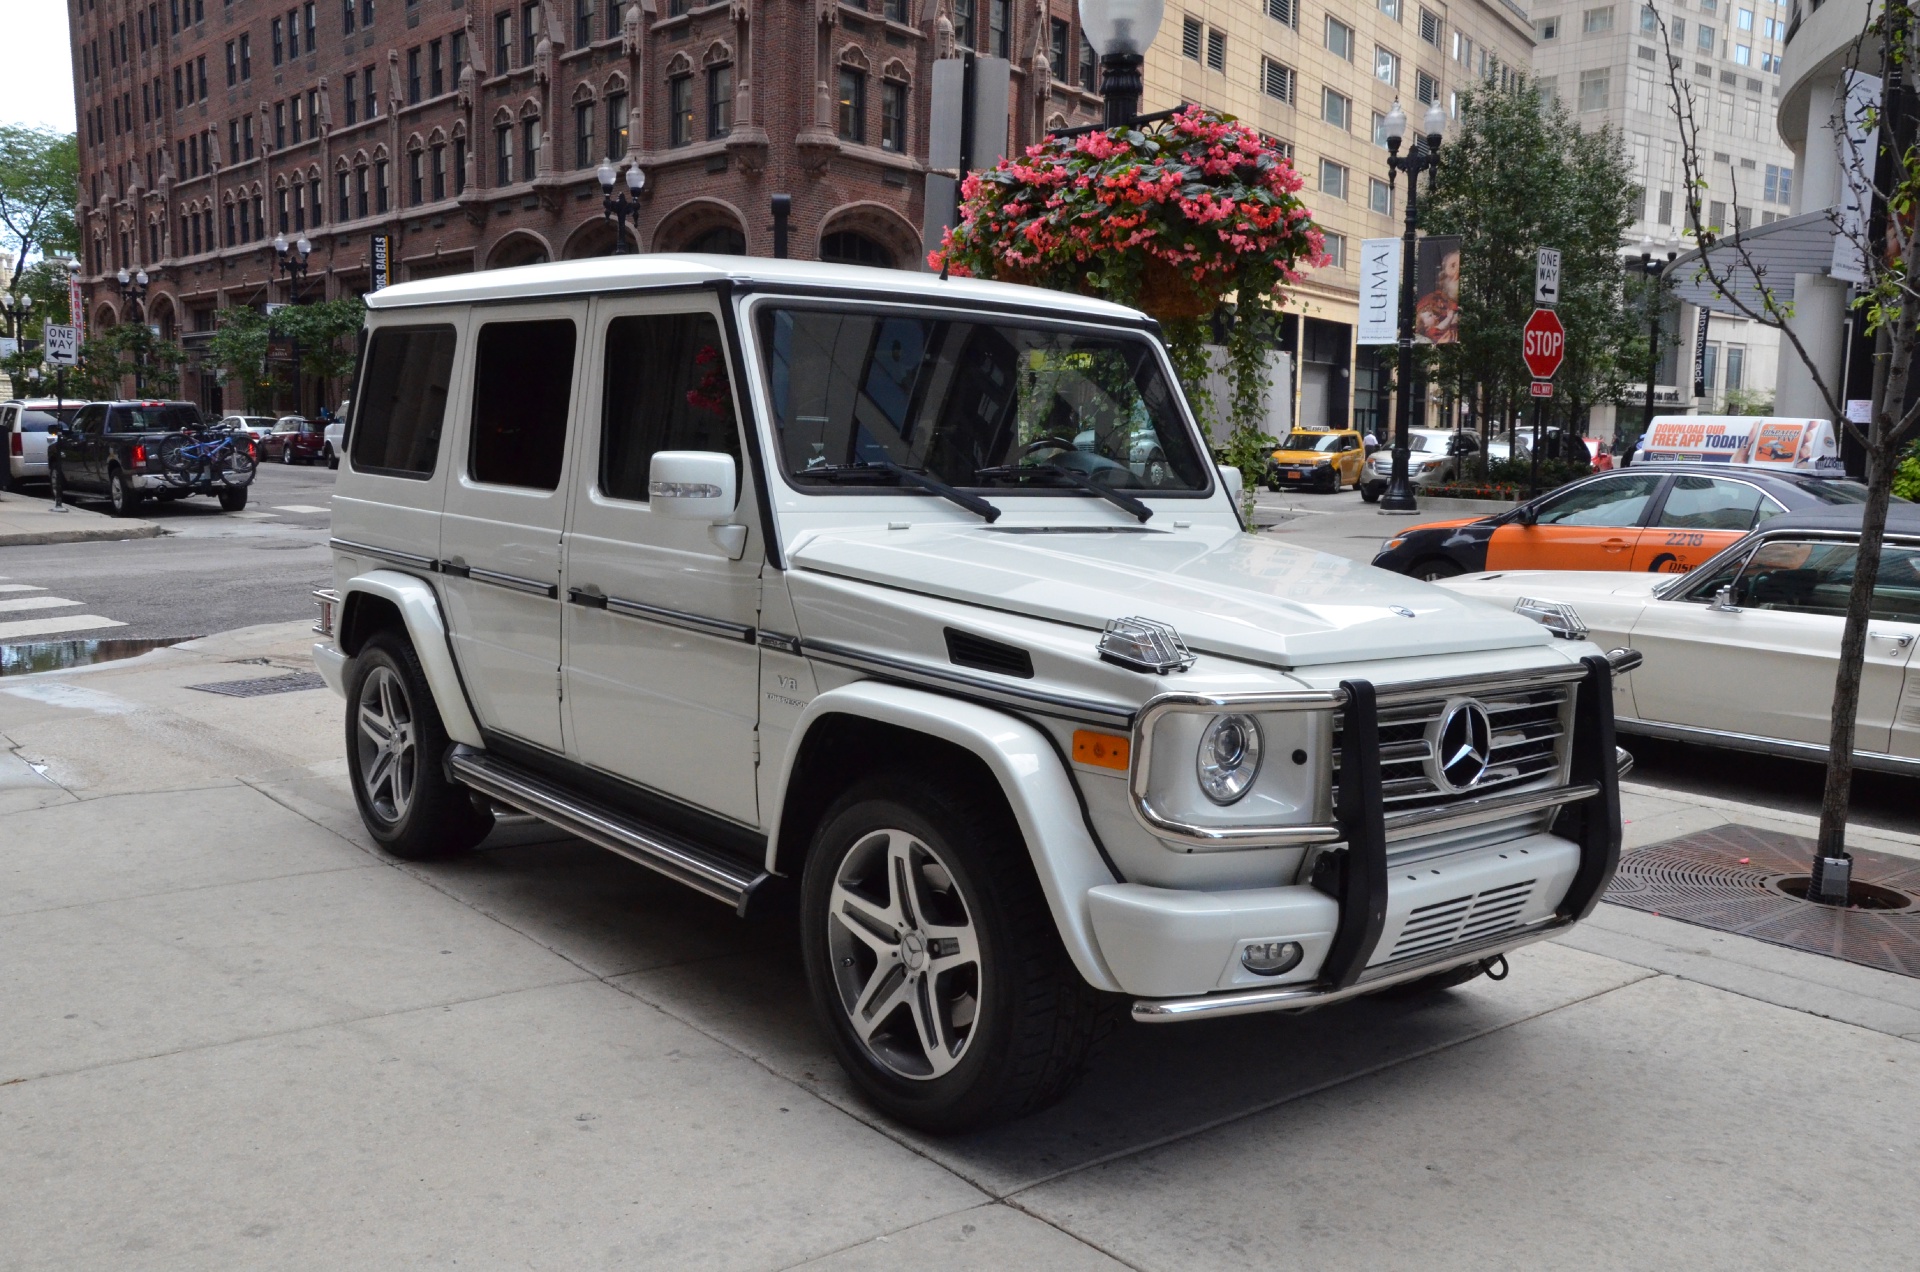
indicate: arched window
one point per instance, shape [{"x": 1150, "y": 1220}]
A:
[
  {"x": 721, "y": 240},
  {"x": 849, "y": 247}
]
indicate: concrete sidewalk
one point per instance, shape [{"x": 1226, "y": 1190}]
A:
[
  {"x": 233, "y": 1035},
  {"x": 26, "y": 520}
]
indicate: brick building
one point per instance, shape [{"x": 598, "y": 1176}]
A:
[{"x": 470, "y": 131}]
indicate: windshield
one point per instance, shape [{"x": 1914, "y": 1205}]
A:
[
  {"x": 972, "y": 402},
  {"x": 1312, "y": 442},
  {"x": 1420, "y": 442}
]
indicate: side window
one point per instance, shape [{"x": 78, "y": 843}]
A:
[
  {"x": 1701, "y": 586},
  {"x": 403, "y": 400},
  {"x": 522, "y": 389},
  {"x": 1710, "y": 503},
  {"x": 1798, "y": 578},
  {"x": 1611, "y": 501},
  {"x": 91, "y": 420},
  {"x": 1896, "y": 593},
  {"x": 666, "y": 389}
]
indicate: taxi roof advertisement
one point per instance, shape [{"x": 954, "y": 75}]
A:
[{"x": 1803, "y": 445}]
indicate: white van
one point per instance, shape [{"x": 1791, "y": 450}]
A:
[{"x": 842, "y": 589}]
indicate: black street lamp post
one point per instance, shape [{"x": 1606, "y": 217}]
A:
[
  {"x": 1653, "y": 269},
  {"x": 623, "y": 208},
  {"x": 17, "y": 310},
  {"x": 1422, "y": 156},
  {"x": 293, "y": 264},
  {"x": 133, "y": 295},
  {"x": 1121, "y": 31}
]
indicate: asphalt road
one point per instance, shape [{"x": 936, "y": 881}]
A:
[{"x": 211, "y": 571}]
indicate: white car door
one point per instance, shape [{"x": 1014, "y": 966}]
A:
[
  {"x": 1895, "y": 633},
  {"x": 505, "y": 510},
  {"x": 662, "y": 673},
  {"x": 1765, "y": 665}
]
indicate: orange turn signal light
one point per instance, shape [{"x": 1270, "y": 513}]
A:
[{"x": 1102, "y": 750}]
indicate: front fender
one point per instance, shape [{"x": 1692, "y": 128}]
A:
[
  {"x": 1028, "y": 769},
  {"x": 420, "y": 610}
]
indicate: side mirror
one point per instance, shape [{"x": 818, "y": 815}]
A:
[
  {"x": 1236, "y": 485},
  {"x": 693, "y": 485},
  {"x": 1722, "y": 602},
  {"x": 1525, "y": 515}
]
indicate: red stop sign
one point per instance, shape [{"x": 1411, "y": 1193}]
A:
[{"x": 1543, "y": 343}]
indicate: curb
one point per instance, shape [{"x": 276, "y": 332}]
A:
[{"x": 86, "y": 534}]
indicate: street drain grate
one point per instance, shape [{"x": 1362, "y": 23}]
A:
[
  {"x": 293, "y": 682},
  {"x": 1743, "y": 879}
]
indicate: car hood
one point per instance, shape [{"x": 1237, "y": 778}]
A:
[
  {"x": 1237, "y": 595},
  {"x": 1301, "y": 457},
  {"x": 1559, "y": 585}
]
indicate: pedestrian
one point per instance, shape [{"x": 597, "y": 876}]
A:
[{"x": 1370, "y": 442}]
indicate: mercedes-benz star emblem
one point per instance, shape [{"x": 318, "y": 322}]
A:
[{"x": 1463, "y": 745}]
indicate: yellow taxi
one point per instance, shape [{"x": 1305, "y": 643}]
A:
[{"x": 1325, "y": 459}]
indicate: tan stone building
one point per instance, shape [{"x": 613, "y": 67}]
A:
[{"x": 1320, "y": 78}]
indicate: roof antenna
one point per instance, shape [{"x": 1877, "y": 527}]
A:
[{"x": 946, "y": 263}]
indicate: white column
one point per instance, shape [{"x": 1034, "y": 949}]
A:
[
  {"x": 1817, "y": 185},
  {"x": 1819, "y": 320}
]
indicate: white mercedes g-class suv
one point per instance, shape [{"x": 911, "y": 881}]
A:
[{"x": 845, "y": 589}]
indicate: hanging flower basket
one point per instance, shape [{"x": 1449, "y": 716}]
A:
[{"x": 1172, "y": 218}]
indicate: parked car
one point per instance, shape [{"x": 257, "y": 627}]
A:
[
  {"x": 24, "y": 428},
  {"x": 334, "y": 443},
  {"x": 294, "y": 441},
  {"x": 1660, "y": 518},
  {"x": 129, "y": 451},
  {"x": 1433, "y": 459},
  {"x": 1326, "y": 460},
  {"x": 258, "y": 427},
  {"x": 1742, "y": 652},
  {"x": 835, "y": 620}
]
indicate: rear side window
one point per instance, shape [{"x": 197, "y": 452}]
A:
[
  {"x": 403, "y": 400},
  {"x": 666, "y": 389},
  {"x": 522, "y": 384},
  {"x": 1712, "y": 503},
  {"x": 36, "y": 421}
]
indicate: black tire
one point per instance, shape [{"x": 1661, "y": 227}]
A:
[
  {"x": 1031, "y": 1021},
  {"x": 173, "y": 455},
  {"x": 1372, "y": 493},
  {"x": 1334, "y": 486},
  {"x": 122, "y": 497},
  {"x": 236, "y": 467},
  {"x": 1436, "y": 568},
  {"x": 430, "y": 818},
  {"x": 326, "y": 453},
  {"x": 233, "y": 499},
  {"x": 286, "y": 455}
]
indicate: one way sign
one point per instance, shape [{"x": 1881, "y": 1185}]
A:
[
  {"x": 1546, "y": 277},
  {"x": 62, "y": 345}
]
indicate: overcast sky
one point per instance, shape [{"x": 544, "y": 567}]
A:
[{"x": 36, "y": 86}]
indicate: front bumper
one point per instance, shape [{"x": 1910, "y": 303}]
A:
[{"x": 1365, "y": 921}]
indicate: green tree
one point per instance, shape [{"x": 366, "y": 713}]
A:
[
  {"x": 130, "y": 351},
  {"x": 39, "y": 185},
  {"x": 1520, "y": 175},
  {"x": 325, "y": 331}
]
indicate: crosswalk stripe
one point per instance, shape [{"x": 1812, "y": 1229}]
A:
[
  {"x": 54, "y": 626},
  {"x": 34, "y": 603},
  {"x": 20, "y": 587},
  {"x": 299, "y": 508}
]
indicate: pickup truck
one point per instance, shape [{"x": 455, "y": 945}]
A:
[{"x": 131, "y": 450}]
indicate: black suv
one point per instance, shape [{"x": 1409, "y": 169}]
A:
[{"x": 130, "y": 450}]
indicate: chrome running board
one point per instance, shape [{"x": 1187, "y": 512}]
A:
[{"x": 679, "y": 859}]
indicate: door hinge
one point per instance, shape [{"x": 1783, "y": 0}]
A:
[
  {"x": 756, "y": 748},
  {"x": 559, "y": 684}
]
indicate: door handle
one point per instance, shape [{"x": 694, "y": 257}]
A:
[
  {"x": 1900, "y": 639},
  {"x": 1616, "y": 545}
]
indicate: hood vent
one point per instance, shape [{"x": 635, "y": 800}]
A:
[{"x": 967, "y": 650}]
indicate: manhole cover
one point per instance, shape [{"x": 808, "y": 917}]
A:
[
  {"x": 1743, "y": 879},
  {"x": 293, "y": 682}
]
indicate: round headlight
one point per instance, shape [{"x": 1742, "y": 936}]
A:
[{"x": 1229, "y": 757}]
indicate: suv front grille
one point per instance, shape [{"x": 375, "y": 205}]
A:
[
  {"x": 1432, "y": 928},
  {"x": 1530, "y": 728}
]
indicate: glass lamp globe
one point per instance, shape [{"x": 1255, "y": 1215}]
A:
[
  {"x": 636, "y": 179},
  {"x": 1121, "y": 26},
  {"x": 604, "y": 174},
  {"x": 1436, "y": 122},
  {"x": 1395, "y": 123}
]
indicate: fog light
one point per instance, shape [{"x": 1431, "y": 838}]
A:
[{"x": 1271, "y": 958}]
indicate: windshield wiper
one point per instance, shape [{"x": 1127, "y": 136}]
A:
[
  {"x": 868, "y": 468},
  {"x": 1073, "y": 476}
]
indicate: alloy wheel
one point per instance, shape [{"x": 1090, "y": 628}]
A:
[
  {"x": 906, "y": 956},
  {"x": 385, "y": 741}
]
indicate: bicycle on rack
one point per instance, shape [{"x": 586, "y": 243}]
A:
[{"x": 210, "y": 460}]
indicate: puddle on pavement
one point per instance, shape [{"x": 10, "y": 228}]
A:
[{"x": 57, "y": 655}]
